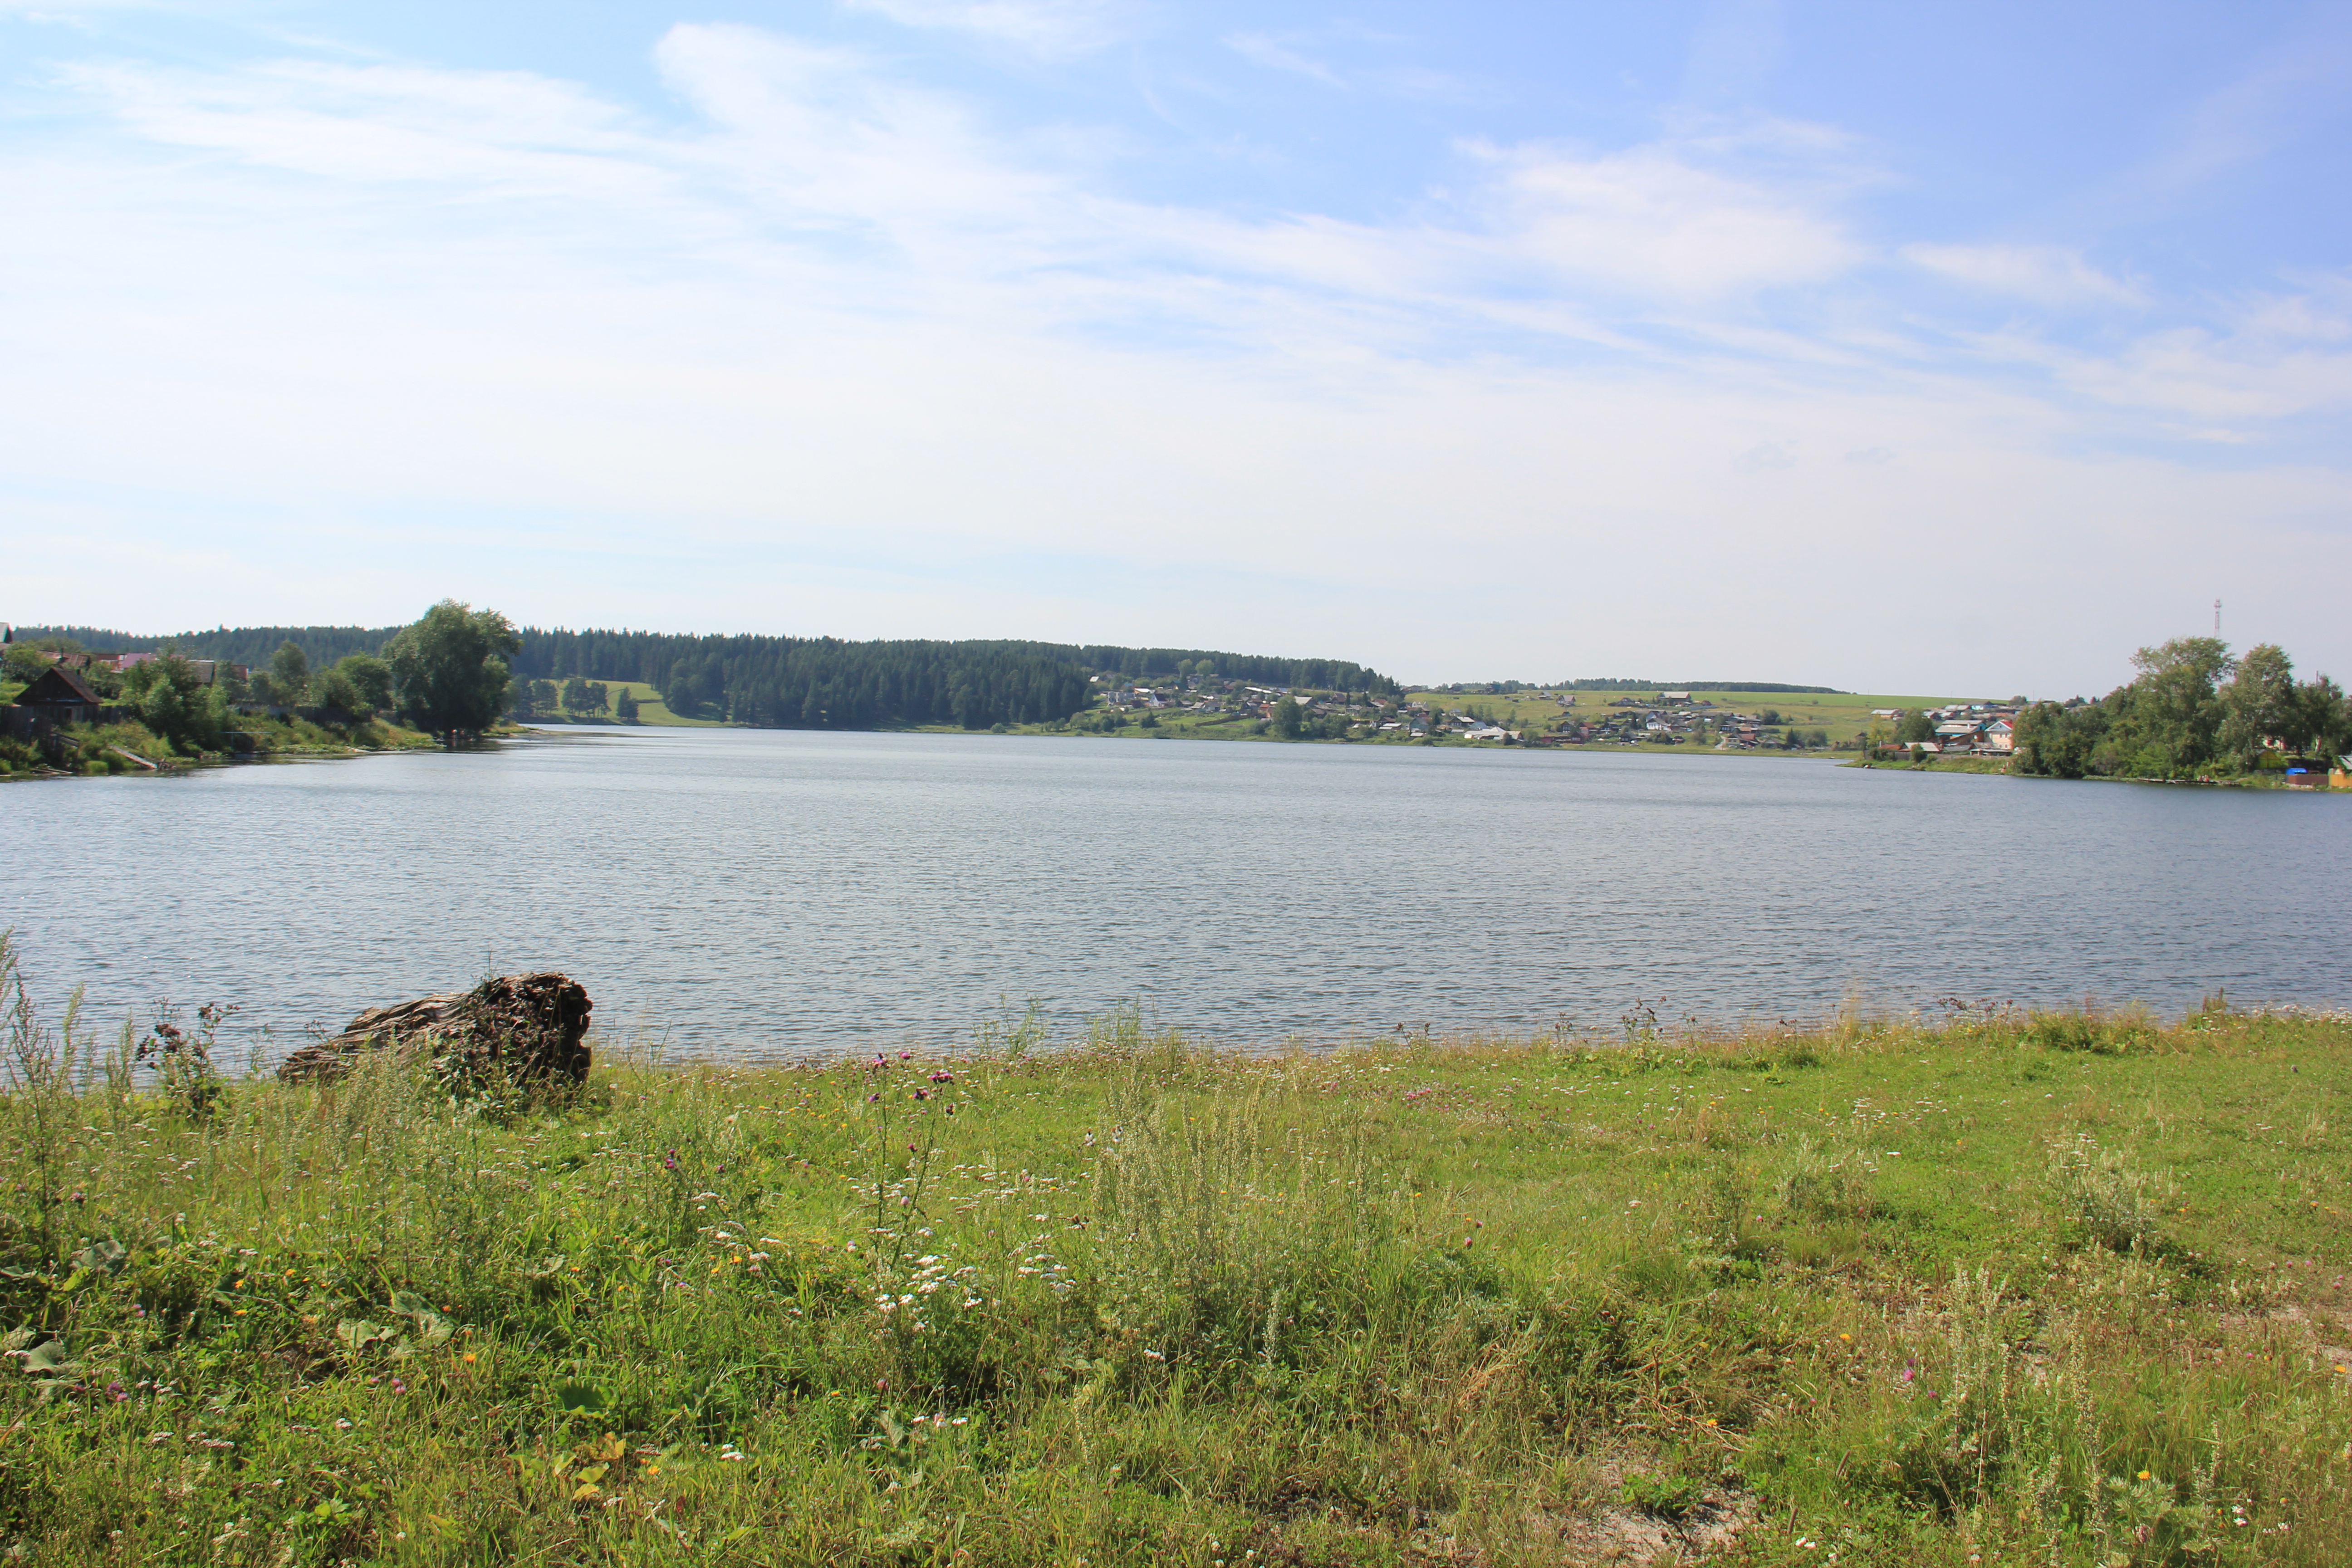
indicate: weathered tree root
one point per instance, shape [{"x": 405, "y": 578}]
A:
[{"x": 527, "y": 1028}]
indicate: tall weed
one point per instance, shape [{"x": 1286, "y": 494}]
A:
[{"x": 2109, "y": 1200}]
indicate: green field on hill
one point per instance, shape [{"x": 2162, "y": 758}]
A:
[
  {"x": 1844, "y": 715},
  {"x": 1994, "y": 1289},
  {"x": 651, "y": 710}
]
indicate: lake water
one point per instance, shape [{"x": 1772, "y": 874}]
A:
[{"x": 766, "y": 894}]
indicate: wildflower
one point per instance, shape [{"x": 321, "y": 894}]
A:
[
  {"x": 873, "y": 1100},
  {"x": 922, "y": 1094},
  {"x": 906, "y": 1056},
  {"x": 469, "y": 1358},
  {"x": 2143, "y": 1475}
]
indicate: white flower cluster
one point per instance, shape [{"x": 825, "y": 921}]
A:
[{"x": 933, "y": 1273}]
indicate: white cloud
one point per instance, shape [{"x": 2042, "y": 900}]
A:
[
  {"x": 2276, "y": 357},
  {"x": 1049, "y": 27},
  {"x": 2044, "y": 274},
  {"x": 1764, "y": 458},
  {"x": 1653, "y": 220},
  {"x": 1276, "y": 53},
  {"x": 839, "y": 353}
]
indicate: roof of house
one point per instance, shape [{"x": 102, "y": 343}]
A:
[{"x": 57, "y": 686}]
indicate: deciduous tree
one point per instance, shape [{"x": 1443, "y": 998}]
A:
[
  {"x": 450, "y": 667},
  {"x": 289, "y": 674}
]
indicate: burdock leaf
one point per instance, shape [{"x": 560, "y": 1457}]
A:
[
  {"x": 359, "y": 1332},
  {"x": 50, "y": 1357},
  {"x": 579, "y": 1397}
]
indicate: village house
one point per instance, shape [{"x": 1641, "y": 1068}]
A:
[{"x": 61, "y": 697}]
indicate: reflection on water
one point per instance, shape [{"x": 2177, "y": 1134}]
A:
[{"x": 777, "y": 894}]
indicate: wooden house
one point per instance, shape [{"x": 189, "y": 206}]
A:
[{"x": 61, "y": 697}]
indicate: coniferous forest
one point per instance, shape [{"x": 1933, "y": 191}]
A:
[{"x": 795, "y": 682}]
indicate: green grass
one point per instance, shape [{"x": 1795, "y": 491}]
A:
[
  {"x": 651, "y": 710},
  {"x": 1875, "y": 1292}
]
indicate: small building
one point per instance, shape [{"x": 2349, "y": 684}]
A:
[
  {"x": 61, "y": 697},
  {"x": 2000, "y": 736}
]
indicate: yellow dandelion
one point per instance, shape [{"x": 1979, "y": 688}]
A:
[
  {"x": 2143, "y": 1475},
  {"x": 469, "y": 1357}
]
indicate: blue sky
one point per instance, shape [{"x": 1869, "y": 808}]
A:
[{"x": 1924, "y": 348}]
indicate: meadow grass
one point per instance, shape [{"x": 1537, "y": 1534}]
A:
[{"x": 1990, "y": 1289}]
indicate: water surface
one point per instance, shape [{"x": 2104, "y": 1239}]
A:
[{"x": 765, "y": 894}]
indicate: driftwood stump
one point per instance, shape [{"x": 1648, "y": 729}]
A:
[{"x": 529, "y": 1026}]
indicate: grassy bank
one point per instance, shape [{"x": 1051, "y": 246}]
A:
[
  {"x": 2003, "y": 1290},
  {"x": 128, "y": 746}
]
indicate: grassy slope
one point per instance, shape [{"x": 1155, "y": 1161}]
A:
[
  {"x": 1149, "y": 1304},
  {"x": 651, "y": 710}
]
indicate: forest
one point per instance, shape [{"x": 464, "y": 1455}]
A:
[{"x": 793, "y": 682}]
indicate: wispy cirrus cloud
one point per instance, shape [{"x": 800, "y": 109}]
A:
[
  {"x": 1278, "y": 53},
  {"x": 2044, "y": 274},
  {"x": 1048, "y": 27}
]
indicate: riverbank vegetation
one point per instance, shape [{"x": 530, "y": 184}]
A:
[
  {"x": 129, "y": 746},
  {"x": 1998, "y": 1288},
  {"x": 2195, "y": 710}
]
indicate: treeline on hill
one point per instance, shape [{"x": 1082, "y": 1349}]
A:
[
  {"x": 252, "y": 645},
  {"x": 793, "y": 680},
  {"x": 2194, "y": 710},
  {"x": 801, "y": 682},
  {"x": 1680, "y": 686}
]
